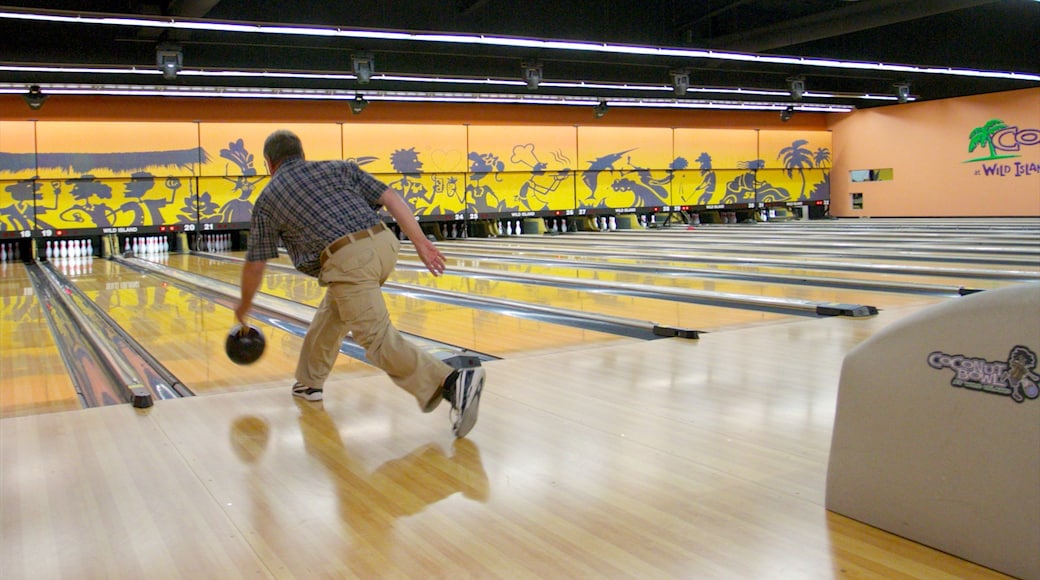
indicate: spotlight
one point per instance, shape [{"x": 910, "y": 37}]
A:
[
  {"x": 680, "y": 81},
  {"x": 169, "y": 59},
  {"x": 797, "y": 87},
  {"x": 358, "y": 104},
  {"x": 363, "y": 64},
  {"x": 532, "y": 74},
  {"x": 35, "y": 97},
  {"x": 903, "y": 91},
  {"x": 600, "y": 109},
  {"x": 786, "y": 114}
]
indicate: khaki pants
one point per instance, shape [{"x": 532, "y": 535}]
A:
[{"x": 354, "y": 302}]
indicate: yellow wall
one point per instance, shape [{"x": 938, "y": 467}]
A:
[
  {"x": 66, "y": 173},
  {"x": 933, "y": 172},
  {"x": 925, "y": 145}
]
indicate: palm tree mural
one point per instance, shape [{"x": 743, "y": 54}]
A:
[
  {"x": 822, "y": 157},
  {"x": 797, "y": 157},
  {"x": 984, "y": 136}
]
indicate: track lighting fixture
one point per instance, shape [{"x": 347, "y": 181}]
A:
[
  {"x": 532, "y": 74},
  {"x": 786, "y": 114},
  {"x": 358, "y": 104},
  {"x": 169, "y": 59},
  {"x": 680, "y": 81},
  {"x": 363, "y": 64},
  {"x": 797, "y": 87},
  {"x": 35, "y": 97},
  {"x": 600, "y": 109},
  {"x": 902, "y": 92}
]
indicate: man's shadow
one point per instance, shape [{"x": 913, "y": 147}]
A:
[{"x": 370, "y": 502}]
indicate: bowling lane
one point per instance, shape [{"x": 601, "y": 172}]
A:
[
  {"x": 656, "y": 245},
  {"x": 186, "y": 333},
  {"x": 664, "y": 311},
  {"x": 613, "y": 251},
  {"x": 649, "y": 308},
  {"x": 504, "y": 328},
  {"x": 479, "y": 330},
  {"x": 33, "y": 377},
  {"x": 719, "y": 270},
  {"x": 1008, "y": 243},
  {"x": 785, "y": 238}
]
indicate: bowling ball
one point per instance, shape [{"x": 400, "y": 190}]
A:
[{"x": 245, "y": 344}]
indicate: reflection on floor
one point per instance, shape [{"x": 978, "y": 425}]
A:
[{"x": 611, "y": 458}]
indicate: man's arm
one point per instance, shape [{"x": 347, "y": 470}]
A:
[
  {"x": 252, "y": 276},
  {"x": 428, "y": 253}
]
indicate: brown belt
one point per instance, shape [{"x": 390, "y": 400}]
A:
[{"x": 351, "y": 237}]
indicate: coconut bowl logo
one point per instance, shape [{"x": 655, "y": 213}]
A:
[
  {"x": 1003, "y": 141},
  {"x": 1016, "y": 377}
]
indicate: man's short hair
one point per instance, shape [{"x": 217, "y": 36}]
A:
[{"x": 281, "y": 145}]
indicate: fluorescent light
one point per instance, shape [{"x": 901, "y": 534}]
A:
[
  {"x": 503, "y": 41},
  {"x": 581, "y": 85},
  {"x": 408, "y": 96}
]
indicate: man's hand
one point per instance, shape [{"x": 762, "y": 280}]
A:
[
  {"x": 430, "y": 255},
  {"x": 428, "y": 252},
  {"x": 242, "y": 313}
]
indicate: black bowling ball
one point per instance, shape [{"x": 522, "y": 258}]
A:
[{"x": 245, "y": 344}]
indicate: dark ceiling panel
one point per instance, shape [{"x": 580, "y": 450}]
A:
[{"x": 983, "y": 34}]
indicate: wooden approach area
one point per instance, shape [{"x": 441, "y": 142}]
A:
[{"x": 668, "y": 458}]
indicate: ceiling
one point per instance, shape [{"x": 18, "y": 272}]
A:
[{"x": 990, "y": 35}]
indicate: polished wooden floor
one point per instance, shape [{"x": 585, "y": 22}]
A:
[{"x": 595, "y": 456}]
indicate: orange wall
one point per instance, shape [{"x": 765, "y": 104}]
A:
[
  {"x": 63, "y": 108},
  {"x": 925, "y": 144},
  {"x": 934, "y": 174}
]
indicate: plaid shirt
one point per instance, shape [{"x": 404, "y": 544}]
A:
[{"x": 308, "y": 205}]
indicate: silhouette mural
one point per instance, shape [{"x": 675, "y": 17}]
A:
[
  {"x": 440, "y": 170},
  {"x": 84, "y": 200},
  {"x": 240, "y": 207},
  {"x": 427, "y": 194},
  {"x": 27, "y": 208},
  {"x": 521, "y": 171}
]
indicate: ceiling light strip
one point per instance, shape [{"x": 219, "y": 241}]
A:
[
  {"x": 404, "y": 96},
  {"x": 436, "y": 80},
  {"x": 512, "y": 42}
]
